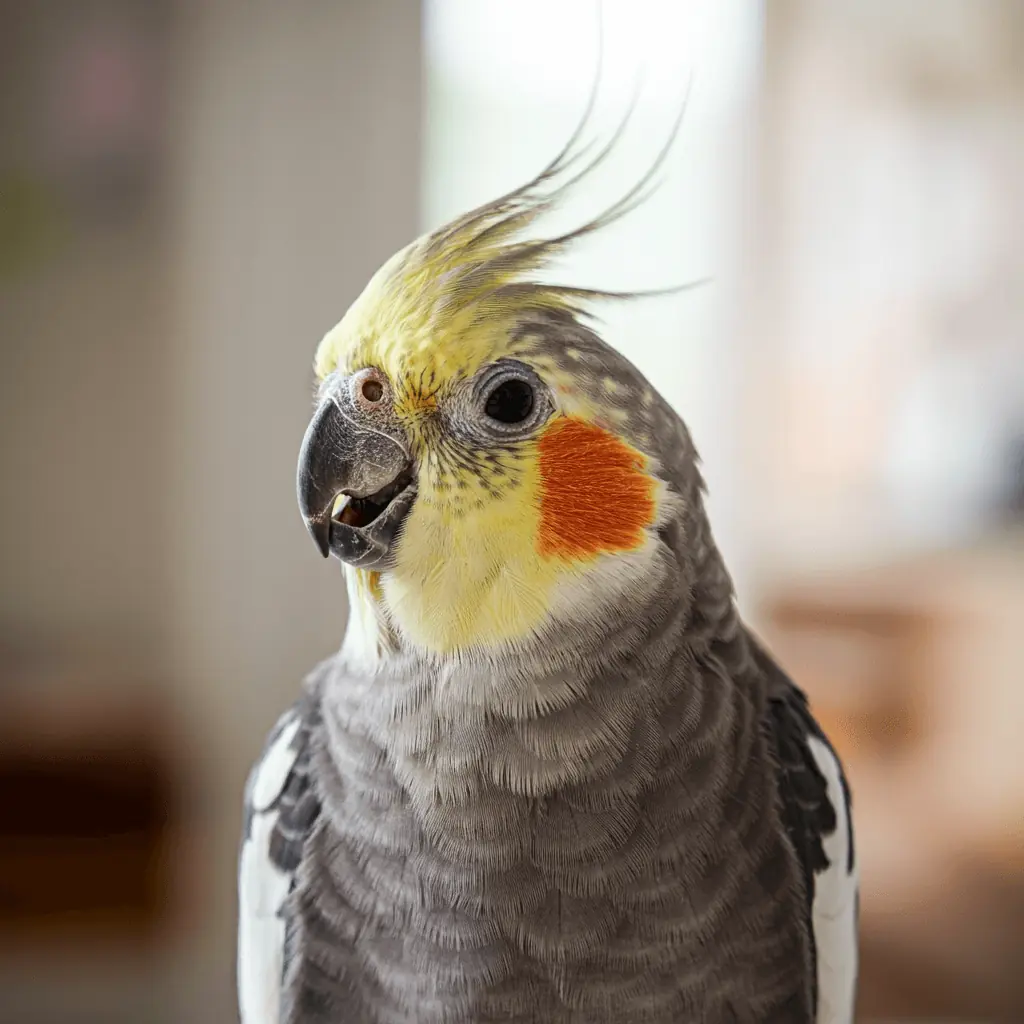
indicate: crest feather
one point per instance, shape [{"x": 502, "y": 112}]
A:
[{"x": 477, "y": 270}]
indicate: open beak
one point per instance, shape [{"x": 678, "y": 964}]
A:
[{"x": 355, "y": 484}]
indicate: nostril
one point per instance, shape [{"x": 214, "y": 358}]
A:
[{"x": 372, "y": 390}]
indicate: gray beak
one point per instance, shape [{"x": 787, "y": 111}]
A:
[{"x": 343, "y": 453}]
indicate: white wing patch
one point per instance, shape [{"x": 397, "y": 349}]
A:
[
  {"x": 262, "y": 887},
  {"x": 834, "y": 914}
]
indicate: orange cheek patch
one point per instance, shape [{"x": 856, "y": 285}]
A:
[{"x": 595, "y": 495}]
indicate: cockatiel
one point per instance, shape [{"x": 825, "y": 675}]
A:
[{"x": 550, "y": 775}]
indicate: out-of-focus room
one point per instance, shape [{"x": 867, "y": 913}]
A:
[{"x": 192, "y": 193}]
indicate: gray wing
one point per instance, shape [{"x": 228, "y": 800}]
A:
[
  {"x": 816, "y": 811},
  {"x": 281, "y": 808}
]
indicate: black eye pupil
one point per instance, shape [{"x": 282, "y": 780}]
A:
[{"x": 510, "y": 402}]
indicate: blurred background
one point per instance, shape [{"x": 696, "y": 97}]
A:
[{"x": 192, "y": 192}]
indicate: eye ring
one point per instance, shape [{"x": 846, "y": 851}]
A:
[{"x": 510, "y": 399}]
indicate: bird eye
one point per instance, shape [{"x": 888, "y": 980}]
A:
[{"x": 510, "y": 402}]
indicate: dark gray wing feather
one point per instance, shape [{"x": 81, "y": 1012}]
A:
[
  {"x": 817, "y": 815},
  {"x": 281, "y": 809}
]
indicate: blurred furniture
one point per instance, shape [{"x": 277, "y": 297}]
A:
[
  {"x": 916, "y": 669},
  {"x": 89, "y": 806}
]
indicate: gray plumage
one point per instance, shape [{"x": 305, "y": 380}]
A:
[
  {"x": 618, "y": 824},
  {"x": 626, "y": 815}
]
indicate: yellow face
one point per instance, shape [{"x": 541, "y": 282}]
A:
[
  {"x": 507, "y": 514},
  {"x": 503, "y": 451}
]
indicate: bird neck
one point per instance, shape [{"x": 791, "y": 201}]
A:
[
  {"x": 573, "y": 707},
  {"x": 573, "y": 816}
]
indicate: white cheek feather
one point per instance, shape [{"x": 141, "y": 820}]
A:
[
  {"x": 262, "y": 889},
  {"x": 834, "y": 914}
]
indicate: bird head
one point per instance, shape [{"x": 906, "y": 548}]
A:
[{"x": 480, "y": 459}]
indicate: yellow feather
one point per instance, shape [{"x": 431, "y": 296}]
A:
[{"x": 467, "y": 569}]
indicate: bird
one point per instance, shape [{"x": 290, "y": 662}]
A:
[{"x": 550, "y": 774}]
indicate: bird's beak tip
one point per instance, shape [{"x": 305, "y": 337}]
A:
[{"x": 320, "y": 530}]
